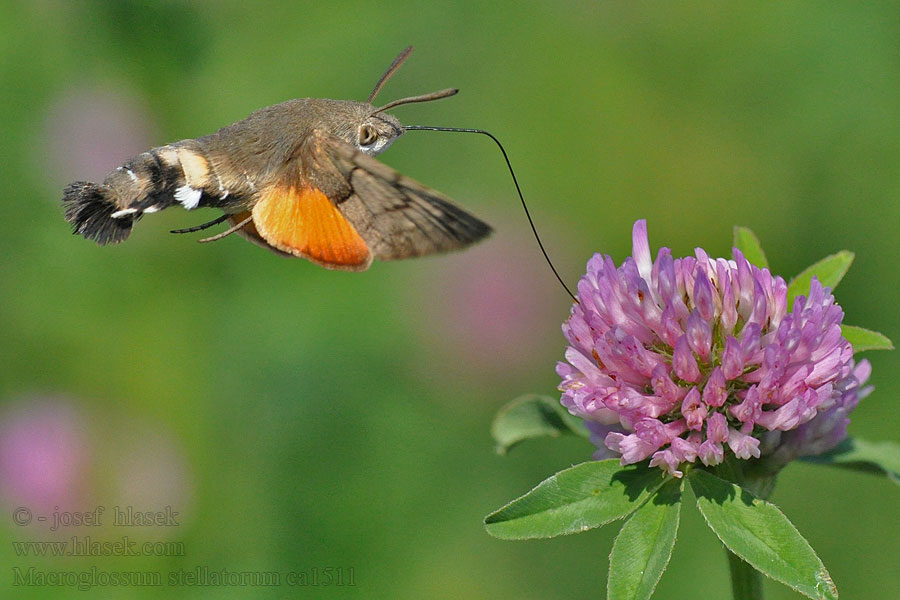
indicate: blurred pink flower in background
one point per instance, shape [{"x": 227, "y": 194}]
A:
[
  {"x": 57, "y": 456},
  {"x": 88, "y": 132},
  {"x": 44, "y": 454}
]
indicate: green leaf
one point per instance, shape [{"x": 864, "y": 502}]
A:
[
  {"x": 576, "y": 499},
  {"x": 882, "y": 458},
  {"x": 865, "y": 339},
  {"x": 747, "y": 242},
  {"x": 829, "y": 271},
  {"x": 759, "y": 533},
  {"x": 644, "y": 545},
  {"x": 533, "y": 416}
]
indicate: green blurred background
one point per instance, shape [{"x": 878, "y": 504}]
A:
[{"x": 300, "y": 419}]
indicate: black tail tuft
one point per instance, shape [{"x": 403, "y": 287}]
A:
[{"x": 89, "y": 209}]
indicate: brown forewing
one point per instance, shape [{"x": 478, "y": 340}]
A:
[{"x": 398, "y": 217}]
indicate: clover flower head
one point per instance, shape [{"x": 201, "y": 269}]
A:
[{"x": 685, "y": 359}]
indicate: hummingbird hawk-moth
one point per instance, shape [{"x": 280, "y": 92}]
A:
[{"x": 297, "y": 178}]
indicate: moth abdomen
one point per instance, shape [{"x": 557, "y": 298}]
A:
[{"x": 177, "y": 173}]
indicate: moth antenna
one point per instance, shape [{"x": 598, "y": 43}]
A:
[
  {"x": 398, "y": 62},
  {"x": 215, "y": 221},
  {"x": 423, "y": 98},
  {"x": 227, "y": 232},
  {"x": 518, "y": 190}
]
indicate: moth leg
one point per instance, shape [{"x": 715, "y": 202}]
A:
[
  {"x": 203, "y": 226},
  {"x": 228, "y": 231}
]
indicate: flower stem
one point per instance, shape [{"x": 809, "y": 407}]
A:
[{"x": 746, "y": 582}]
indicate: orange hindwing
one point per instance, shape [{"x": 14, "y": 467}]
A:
[{"x": 304, "y": 222}]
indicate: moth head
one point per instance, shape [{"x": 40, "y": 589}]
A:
[
  {"x": 357, "y": 123},
  {"x": 375, "y": 133},
  {"x": 377, "y": 130}
]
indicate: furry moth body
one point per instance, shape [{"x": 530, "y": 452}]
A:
[{"x": 297, "y": 178}]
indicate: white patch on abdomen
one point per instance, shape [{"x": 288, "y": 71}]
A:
[
  {"x": 123, "y": 213},
  {"x": 188, "y": 196}
]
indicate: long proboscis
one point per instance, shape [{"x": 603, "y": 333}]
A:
[{"x": 518, "y": 190}]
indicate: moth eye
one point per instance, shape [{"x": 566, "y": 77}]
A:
[{"x": 367, "y": 135}]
